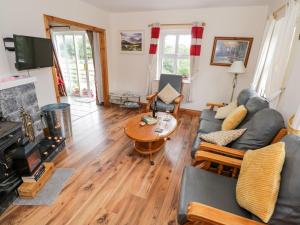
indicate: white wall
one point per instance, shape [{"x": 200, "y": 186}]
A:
[
  {"x": 26, "y": 18},
  {"x": 128, "y": 72}
]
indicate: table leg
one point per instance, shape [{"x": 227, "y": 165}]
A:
[{"x": 150, "y": 154}]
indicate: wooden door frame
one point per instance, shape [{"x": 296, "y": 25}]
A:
[{"x": 102, "y": 50}]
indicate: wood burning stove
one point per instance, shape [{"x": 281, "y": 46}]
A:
[{"x": 27, "y": 158}]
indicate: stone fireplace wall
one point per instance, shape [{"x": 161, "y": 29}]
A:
[{"x": 12, "y": 99}]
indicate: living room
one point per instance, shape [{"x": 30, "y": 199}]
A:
[{"x": 131, "y": 142}]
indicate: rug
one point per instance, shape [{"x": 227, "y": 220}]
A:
[{"x": 51, "y": 190}]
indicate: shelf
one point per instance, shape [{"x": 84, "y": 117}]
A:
[{"x": 9, "y": 82}]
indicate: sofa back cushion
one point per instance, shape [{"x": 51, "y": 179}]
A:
[
  {"x": 261, "y": 129},
  {"x": 254, "y": 105},
  {"x": 287, "y": 209},
  {"x": 245, "y": 95}
]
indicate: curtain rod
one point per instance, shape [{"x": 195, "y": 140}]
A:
[
  {"x": 277, "y": 11},
  {"x": 177, "y": 24},
  {"x": 283, "y": 7}
]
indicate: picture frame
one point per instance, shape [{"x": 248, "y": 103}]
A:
[
  {"x": 226, "y": 50},
  {"x": 132, "y": 41}
]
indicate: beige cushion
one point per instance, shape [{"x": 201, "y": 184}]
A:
[
  {"x": 234, "y": 118},
  {"x": 168, "y": 94},
  {"x": 222, "y": 138},
  {"x": 259, "y": 180},
  {"x": 223, "y": 112}
]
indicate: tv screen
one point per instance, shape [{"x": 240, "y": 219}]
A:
[{"x": 32, "y": 52}]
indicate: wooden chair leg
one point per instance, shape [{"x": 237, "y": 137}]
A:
[{"x": 220, "y": 169}]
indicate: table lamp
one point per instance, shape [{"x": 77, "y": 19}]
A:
[{"x": 236, "y": 68}]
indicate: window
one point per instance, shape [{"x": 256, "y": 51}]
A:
[{"x": 174, "y": 54}]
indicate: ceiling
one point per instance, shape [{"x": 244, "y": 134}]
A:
[{"x": 151, "y": 5}]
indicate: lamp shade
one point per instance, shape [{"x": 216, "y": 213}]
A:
[{"x": 237, "y": 67}]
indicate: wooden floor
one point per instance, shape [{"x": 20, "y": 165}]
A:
[{"x": 113, "y": 185}]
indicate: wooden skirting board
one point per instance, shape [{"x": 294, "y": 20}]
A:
[{"x": 191, "y": 112}]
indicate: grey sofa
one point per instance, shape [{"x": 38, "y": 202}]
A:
[
  {"x": 262, "y": 123},
  {"x": 218, "y": 192}
]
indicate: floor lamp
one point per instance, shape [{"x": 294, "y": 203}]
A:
[{"x": 236, "y": 68}]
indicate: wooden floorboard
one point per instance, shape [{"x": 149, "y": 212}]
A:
[{"x": 112, "y": 184}]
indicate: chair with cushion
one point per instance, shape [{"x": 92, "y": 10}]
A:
[
  {"x": 208, "y": 198},
  {"x": 176, "y": 82}
]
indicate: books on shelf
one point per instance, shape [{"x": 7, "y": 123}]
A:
[
  {"x": 149, "y": 120},
  {"x": 36, "y": 176}
]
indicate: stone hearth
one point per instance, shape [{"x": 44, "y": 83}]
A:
[{"x": 11, "y": 99}]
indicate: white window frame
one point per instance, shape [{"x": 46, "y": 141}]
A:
[{"x": 175, "y": 56}]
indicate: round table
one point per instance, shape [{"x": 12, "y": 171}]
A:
[{"x": 146, "y": 140}]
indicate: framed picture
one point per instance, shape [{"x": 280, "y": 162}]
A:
[
  {"x": 132, "y": 41},
  {"x": 226, "y": 50}
]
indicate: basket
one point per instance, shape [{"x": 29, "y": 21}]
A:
[{"x": 291, "y": 130}]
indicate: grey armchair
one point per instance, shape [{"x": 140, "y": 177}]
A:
[
  {"x": 208, "y": 198},
  {"x": 176, "y": 82}
]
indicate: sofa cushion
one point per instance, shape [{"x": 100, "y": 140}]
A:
[
  {"x": 234, "y": 118},
  {"x": 287, "y": 210},
  {"x": 254, "y": 105},
  {"x": 162, "y": 107},
  {"x": 207, "y": 126},
  {"x": 208, "y": 114},
  {"x": 198, "y": 185},
  {"x": 259, "y": 180},
  {"x": 222, "y": 138},
  {"x": 245, "y": 95},
  {"x": 224, "y": 111},
  {"x": 168, "y": 94},
  {"x": 196, "y": 144},
  {"x": 261, "y": 130},
  {"x": 174, "y": 80}
]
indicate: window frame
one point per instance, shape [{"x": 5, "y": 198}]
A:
[{"x": 174, "y": 56}]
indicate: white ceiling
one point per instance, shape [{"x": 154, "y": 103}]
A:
[{"x": 151, "y": 5}]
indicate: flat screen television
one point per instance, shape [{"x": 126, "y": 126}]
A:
[{"x": 32, "y": 52}]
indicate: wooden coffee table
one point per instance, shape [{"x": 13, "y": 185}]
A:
[{"x": 146, "y": 140}]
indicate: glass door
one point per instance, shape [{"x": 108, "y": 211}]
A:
[{"x": 75, "y": 57}]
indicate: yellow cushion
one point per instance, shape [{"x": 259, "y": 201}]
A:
[
  {"x": 234, "y": 118},
  {"x": 259, "y": 180}
]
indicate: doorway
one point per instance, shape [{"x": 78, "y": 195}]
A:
[
  {"x": 100, "y": 63},
  {"x": 75, "y": 58}
]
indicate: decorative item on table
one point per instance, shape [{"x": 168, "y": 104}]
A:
[
  {"x": 27, "y": 124},
  {"x": 154, "y": 110},
  {"x": 236, "y": 68},
  {"x": 227, "y": 50},
  {"x": 35, "y": 176},
  {"x": 132, "y": 41},
  {"x": 149, "y": 120}
]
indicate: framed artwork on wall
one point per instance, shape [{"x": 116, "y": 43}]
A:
[
  {"x": 226, "y": 50},
  {"x": 132, "y": 41}
]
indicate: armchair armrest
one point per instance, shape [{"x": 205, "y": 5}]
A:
[
  {"x": 215, "y": 104},
  {"x": 216, "y": 158},
  {"x": 178, "y": 99},
  {"x": 208, "y": 147},
  {"x": 151, "y": 96},
  {"x": 198, "y": 212}
]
